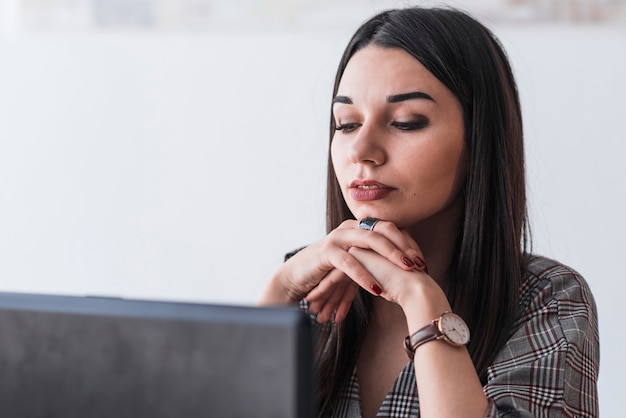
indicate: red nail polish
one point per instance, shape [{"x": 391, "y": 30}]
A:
[
  {"x": 420, "y": 264},
  {"x": 407, "y": 262},
  {"x": 376, "y": 289}
]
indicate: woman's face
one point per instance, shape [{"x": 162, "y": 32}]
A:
[{"x": 399, "y": 151}]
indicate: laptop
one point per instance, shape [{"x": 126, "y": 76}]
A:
[{"x": 72, "y": 356}]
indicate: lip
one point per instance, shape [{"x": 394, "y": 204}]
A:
[{"x": 367, "y": 190}]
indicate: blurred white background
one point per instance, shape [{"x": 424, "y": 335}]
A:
[{"x": 176, "y": 149}]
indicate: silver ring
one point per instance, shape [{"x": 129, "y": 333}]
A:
[{"x": 368, "y": 223}]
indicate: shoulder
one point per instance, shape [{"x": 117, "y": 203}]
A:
[
  {"x": 551, "y": 360},
  {"x": 552, "y": 286},
  {"x": 557, "y": 314}
]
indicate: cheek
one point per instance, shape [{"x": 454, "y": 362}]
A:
[
  {"x": 335, "y": 156},
  {"x": 440, "y": 169},
  {"x": 449, "y": 155},
  {"x": 452, "y": 173}
]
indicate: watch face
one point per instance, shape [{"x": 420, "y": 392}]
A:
[{"x": 454, "y": 329}]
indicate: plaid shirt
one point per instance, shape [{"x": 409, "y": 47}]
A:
[{"x": 548, "y": 368}]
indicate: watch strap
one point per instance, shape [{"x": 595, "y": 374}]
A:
[{"x": 423, "y": 335}]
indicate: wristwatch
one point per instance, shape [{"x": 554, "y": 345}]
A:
[{"x": 449, "y": 327}]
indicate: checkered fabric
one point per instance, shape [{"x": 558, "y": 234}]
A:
[{"x": 549, "y": 367}]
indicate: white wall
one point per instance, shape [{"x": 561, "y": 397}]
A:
[{"x": 183, "y": 165}]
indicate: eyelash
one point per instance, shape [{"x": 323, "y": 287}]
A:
[
  {"x": 410, "y": 126},
  {"x": 403, "y": 126},
  {"x": 347, "y": 127}
]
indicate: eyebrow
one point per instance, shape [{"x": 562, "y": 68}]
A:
[
  {"x": 396, "y": 98},
  {"x": 342, "y": 99},
  {"x": 409, "y": 96}
]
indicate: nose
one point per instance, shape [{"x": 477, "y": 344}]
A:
[{"x": 366, "y": 147}]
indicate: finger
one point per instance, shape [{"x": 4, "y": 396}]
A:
[
  {"x": 401, "y": 249},
  {"x": 345, "y": 263},
  {"x": 316, "y": 307},
  {"x": 415, "y": 252},
  {"x": 353, "y": 269},
  {"x": 338, "y": 305},
  {"x": 390, "y": 242},
  {"x": 317, "y": 303},
  {"x": 401, "y": 239},
  {"x": 326, "y": 314},
  {"x": 346, "y": 302},
  {"x": 323, "y": 290},
  {"x": 327, "y": 306},
  {"x": 328, "y": 311},
  {"x": 336, "y": 292},
  {"x": 337, "y": 295},
  {"x": 331, "y": 297}
]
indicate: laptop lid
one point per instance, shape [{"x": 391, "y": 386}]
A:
[{"x": 68, "y": 356}]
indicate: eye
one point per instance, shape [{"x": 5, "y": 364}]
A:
[
  {"x": 411, "y": 125},
  {"x": 347, "y": 127}
]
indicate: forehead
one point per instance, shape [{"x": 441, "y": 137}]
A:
[{"x": 380, "y": 71}]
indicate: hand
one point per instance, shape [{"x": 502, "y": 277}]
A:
[
  {"x": 415, "y": 291},
  {"x": 327, "y": 271},
  {"x": 335, "y": 292}
]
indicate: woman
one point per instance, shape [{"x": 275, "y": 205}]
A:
[{"x": 426, "y": 215}]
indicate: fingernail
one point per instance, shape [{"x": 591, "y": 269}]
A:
[
  {"x": 376, "y": 289},
  {"x": 420, "y": 264},
  {"x": 407, "y": 262}
]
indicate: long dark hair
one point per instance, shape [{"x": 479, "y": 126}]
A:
[{"x": 490, "y": 249}]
